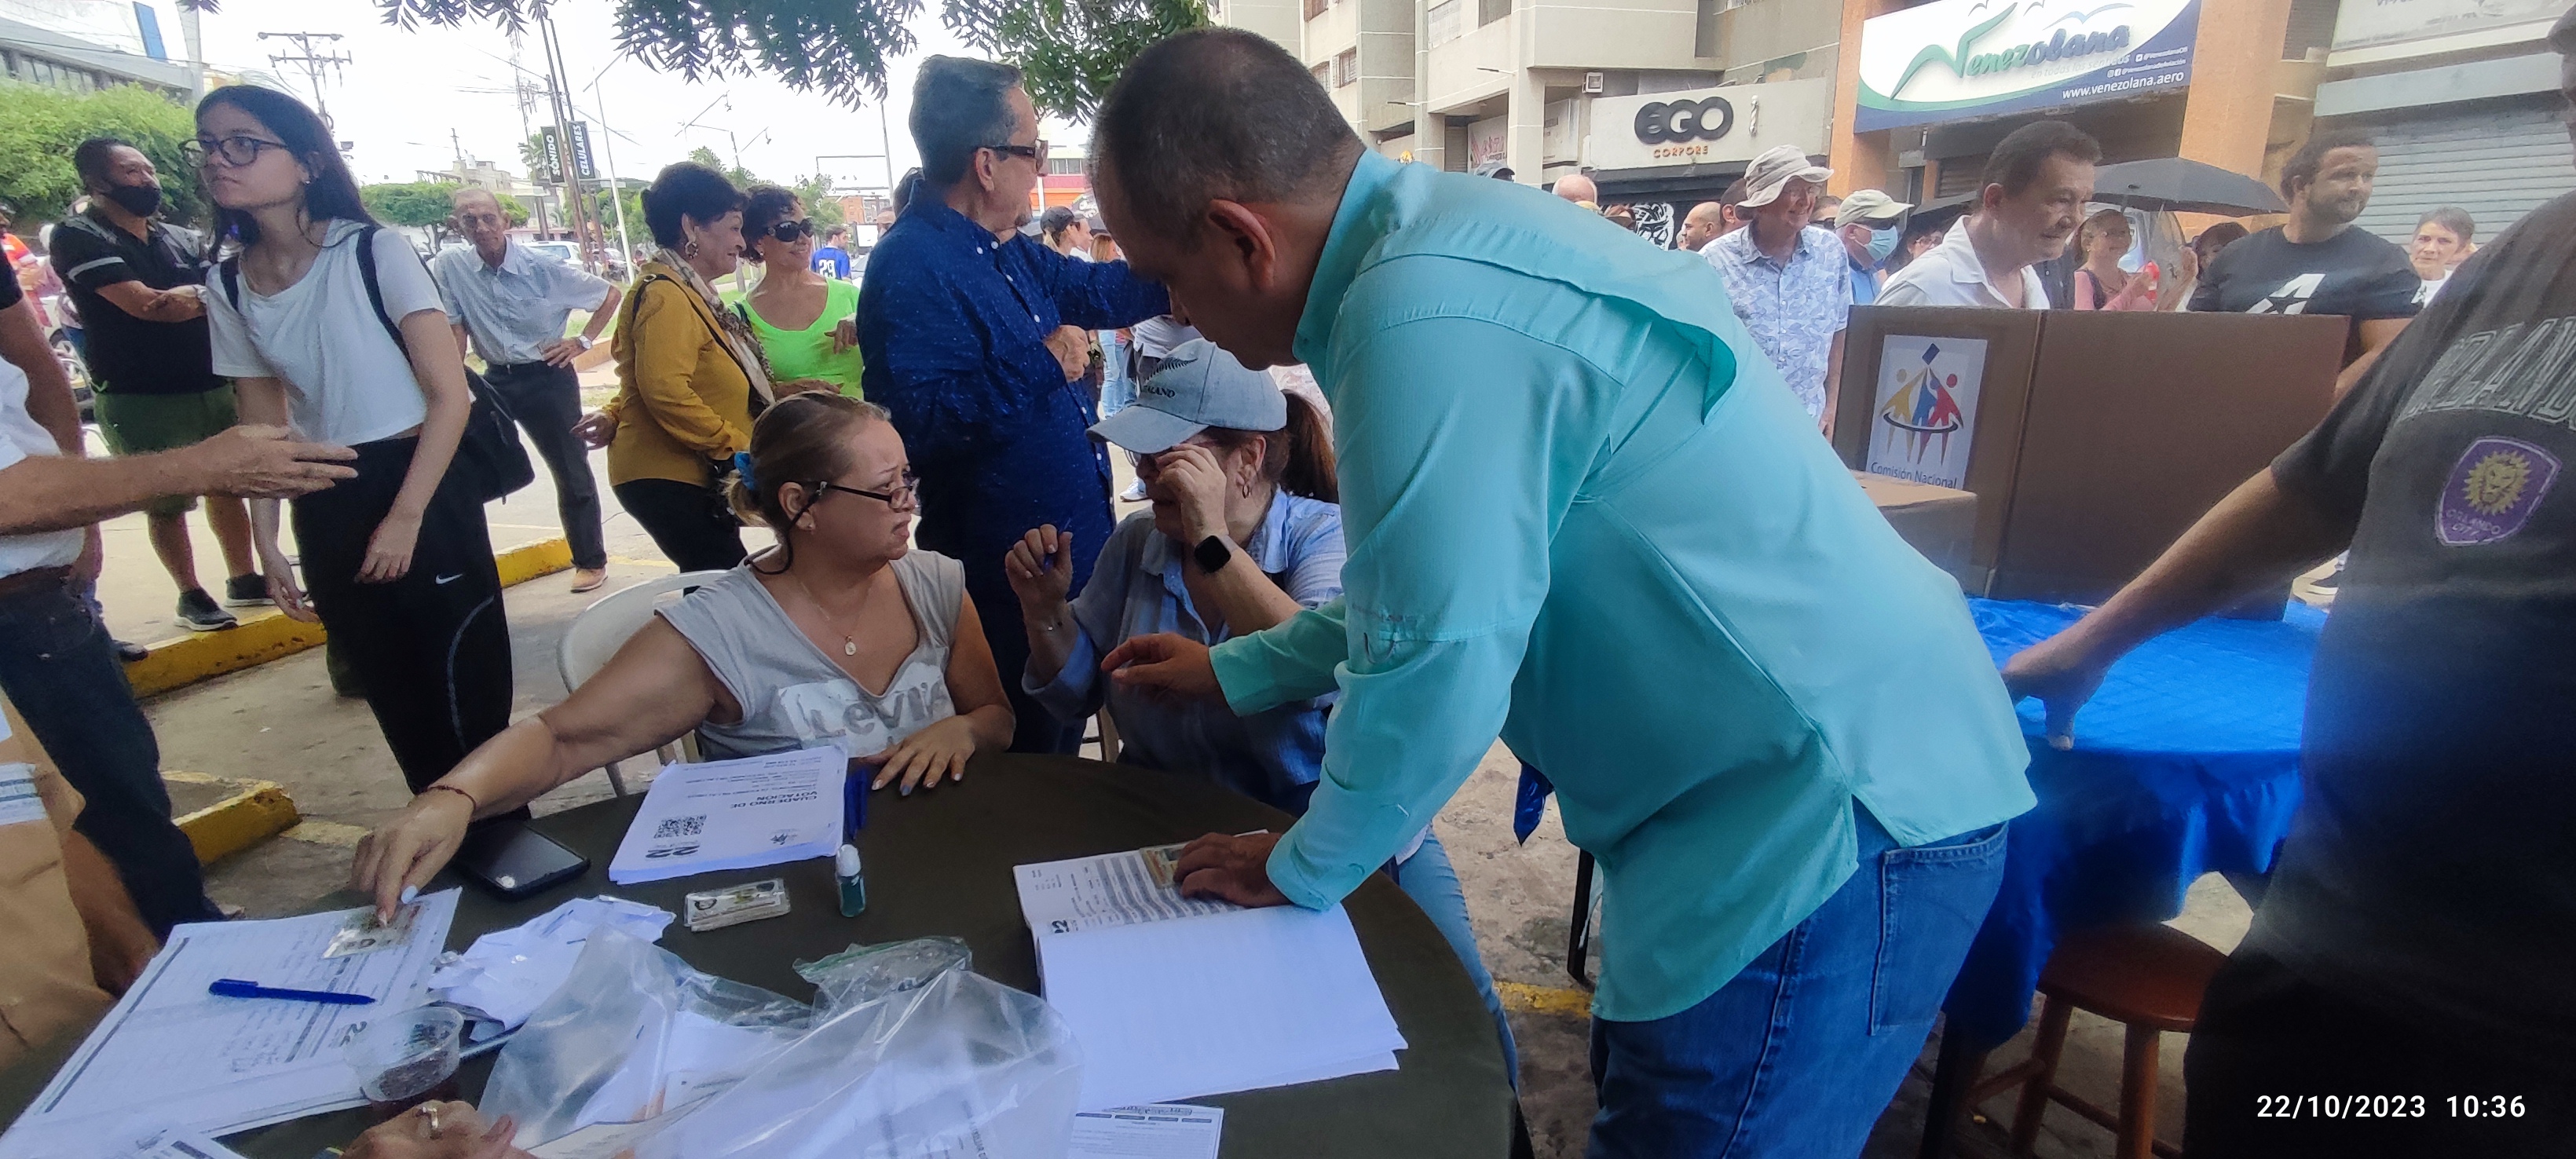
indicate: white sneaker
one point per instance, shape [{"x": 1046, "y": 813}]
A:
[{"x": 1135, "y": 492}]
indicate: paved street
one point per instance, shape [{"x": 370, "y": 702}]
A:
[{"x": 281, "y": 722}]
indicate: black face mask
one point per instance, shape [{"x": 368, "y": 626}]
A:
[{"x": 139, "y": 200}]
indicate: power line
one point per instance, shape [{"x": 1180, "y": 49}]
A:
[{"x": 313, "y": 63}]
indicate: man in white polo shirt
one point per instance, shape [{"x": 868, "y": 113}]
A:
[{"x": 2034, "y": 188}]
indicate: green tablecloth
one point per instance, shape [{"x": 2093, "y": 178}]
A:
[{"x": 938, "y": 862}]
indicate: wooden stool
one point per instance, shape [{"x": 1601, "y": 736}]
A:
[{"x": 2148, "y": 978}]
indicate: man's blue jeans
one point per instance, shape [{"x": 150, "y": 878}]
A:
[
  {"x": 1799, "y": 1054},
  {"x": 58, "y": 667},
  {"x": 1432, "y": 883}
]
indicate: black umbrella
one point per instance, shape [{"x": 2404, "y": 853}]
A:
[{"x": 2180, "y": 185}]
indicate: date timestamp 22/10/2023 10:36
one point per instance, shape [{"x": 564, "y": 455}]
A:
[{"x": 2387, "y": 1106}]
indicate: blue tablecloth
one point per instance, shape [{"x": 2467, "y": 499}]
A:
[{"x": 2186, "y": 761}]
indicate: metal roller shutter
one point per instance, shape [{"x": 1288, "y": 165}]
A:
[{"x": 2499, "y": 163}]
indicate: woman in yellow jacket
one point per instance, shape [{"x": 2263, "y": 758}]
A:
[{"x": 689, "y": 374}]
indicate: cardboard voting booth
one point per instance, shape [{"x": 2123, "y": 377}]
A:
[{"x": 2091, "y": 440}]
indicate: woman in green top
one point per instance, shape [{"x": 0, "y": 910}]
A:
[{"x": 807, "y": 323}]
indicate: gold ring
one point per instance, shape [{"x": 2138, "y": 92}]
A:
[{"x": 429, "y": 1112}]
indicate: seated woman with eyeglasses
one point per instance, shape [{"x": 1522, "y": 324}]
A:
[
  {"x": 842, "y": 635},
  {"x": 808, "y": 324}
]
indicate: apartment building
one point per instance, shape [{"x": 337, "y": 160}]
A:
[
  {"x": 1543, "y": 88},
  {"x": 1662, "y": 102}
]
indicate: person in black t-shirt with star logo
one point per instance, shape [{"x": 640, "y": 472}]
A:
[{"x": 2318, "y": 263}]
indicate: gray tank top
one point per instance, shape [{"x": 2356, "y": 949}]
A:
[{"x": 792, "y": 695}]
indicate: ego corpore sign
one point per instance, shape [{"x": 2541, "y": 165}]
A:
[{"x": 1669, "y": 121}]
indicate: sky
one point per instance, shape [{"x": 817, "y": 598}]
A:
[{"x": 403, "y": 94}]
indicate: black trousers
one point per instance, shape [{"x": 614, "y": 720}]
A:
[
  {"x": 686, "y": 521},
  {"x": 546, "y": 399},
  {"x": 431, "y": 649},
  {"x": 61, "y": 671},
  {"x": 2281, "y": 1068}
]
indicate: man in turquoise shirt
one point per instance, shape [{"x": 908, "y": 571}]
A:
[{"x": 1585, "y": 514}]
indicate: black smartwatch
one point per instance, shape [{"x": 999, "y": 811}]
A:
[{"x": 1212, "y": 554}]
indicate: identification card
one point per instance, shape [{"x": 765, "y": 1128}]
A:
[
  {"x": 364, "y": 933},
  {"x": 715, "y": 909},
  {"x": 1162, "y": 862}
]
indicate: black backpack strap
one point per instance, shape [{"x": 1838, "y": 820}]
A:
[
  {"x": 231, "y": 272},
  {"x": 376, "y": 289}
]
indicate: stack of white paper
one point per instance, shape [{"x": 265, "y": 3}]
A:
[
  {"x": 506, "y": 974},
  {"x": 196, "y": 1062},
  {"x": 735, "y": 815},
  {"x": 1174, "y": 998}
]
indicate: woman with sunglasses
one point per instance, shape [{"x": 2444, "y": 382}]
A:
[
  {"x": 840, "y": 635},
  {"x": 808, "y": 324},
  {"x": 689, "y": 375},
  {"x": 397, "y": 561}
]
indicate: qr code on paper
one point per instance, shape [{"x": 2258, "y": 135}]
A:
[{"x": 680, "y": 827}]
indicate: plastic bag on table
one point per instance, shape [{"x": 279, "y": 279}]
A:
[
  {"x": 925, "y": 1058},
  {"x": 867, "y": 973},
  {"x": 634, "y": 1034}
]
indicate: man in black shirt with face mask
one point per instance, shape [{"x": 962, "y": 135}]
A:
[{"x": 136, "y": 281}]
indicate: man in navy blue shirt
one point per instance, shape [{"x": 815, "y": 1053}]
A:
[{"x": 954, "y": 326}]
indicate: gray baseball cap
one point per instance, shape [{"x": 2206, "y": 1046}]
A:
[{"x": 1199, "y": 386}]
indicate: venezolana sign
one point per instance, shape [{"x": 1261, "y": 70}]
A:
[{"x": 1976, "y": 58}]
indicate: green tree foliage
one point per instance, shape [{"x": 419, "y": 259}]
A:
[
  {"x": 1072, "y": 49},
  {"x": 532, "y": 154},
  {"x": 816, "y": 193},
  {"x": 415, "y": 203},
  {"x": 429, "y": 205},
  {"x": 39, "y": 127},
  {"x": 741, "y": 177}
]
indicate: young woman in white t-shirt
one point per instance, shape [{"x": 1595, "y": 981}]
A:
[{"x": 397, "y": 561}]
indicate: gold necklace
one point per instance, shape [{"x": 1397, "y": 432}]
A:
[{"x": 849, "y": 643}]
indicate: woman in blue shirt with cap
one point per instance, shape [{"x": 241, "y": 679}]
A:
[{"x": 1245, "y": 532}]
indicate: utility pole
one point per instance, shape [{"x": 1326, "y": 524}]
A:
[
  {"x": 616, "y": 188},
  {"x": 313, "y": 64},
  {"x": 568, "y": 164}
]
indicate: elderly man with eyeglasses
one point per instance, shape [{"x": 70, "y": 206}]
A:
[
  {"x": 511, "y": 303},
  {"x": 958, "y": 320}
]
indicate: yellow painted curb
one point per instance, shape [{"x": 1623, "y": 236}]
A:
[
  {"x": 1544, "y": 999},
  {"x": 204, "y": 656},
  {"x": 260, "y": 811},
  {"x": 268, "y": 636},
  {"x": 544, "y": 557}
]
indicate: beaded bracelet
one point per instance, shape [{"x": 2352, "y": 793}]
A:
[{"x": 469, "y": 797}]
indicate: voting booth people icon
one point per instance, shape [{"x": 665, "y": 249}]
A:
[{"x": 1926, "y": 414}]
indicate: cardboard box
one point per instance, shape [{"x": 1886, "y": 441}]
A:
[
  {"x": 1940, "y": 522},
  {"x": 2091, "y": 439}
]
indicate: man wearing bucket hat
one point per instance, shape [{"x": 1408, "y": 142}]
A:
[
  {"x": 1870, "y": 223},
  {"x": 1245, "y": 532},
  {"x": 1785, "y": 277}
]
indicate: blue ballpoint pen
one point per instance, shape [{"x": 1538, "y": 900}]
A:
[{"x": 238, "y": 988}]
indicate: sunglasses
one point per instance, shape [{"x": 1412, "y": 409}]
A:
[
  {"x": 1036, "y": 152},
  {"x": 791, "y": 232}
]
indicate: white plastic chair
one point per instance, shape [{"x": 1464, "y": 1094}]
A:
[{"x": 604, "y": 627}]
